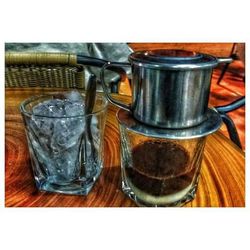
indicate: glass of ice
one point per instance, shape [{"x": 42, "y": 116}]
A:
[{"x": 66, "y": 157}]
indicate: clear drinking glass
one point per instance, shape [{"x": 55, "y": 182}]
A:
[
  {"x": 158, "y": 171},
  {"x": 66, "y": 156}
]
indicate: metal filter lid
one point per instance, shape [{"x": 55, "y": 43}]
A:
[
  {"x": 173, "y": 59},
  {"x": 212, "y": 124}
]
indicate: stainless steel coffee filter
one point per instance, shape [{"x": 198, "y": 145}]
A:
[{"x": 170, "y": 88}]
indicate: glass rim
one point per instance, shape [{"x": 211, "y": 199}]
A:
[{"x": 31, "y": 99}]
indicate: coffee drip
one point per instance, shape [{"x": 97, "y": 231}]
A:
[{"x": 164, "y": 129}]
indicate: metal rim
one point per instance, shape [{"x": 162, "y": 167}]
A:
[
  {"x": 153, "y": 59},
  {"x": 211, "y": 125}
]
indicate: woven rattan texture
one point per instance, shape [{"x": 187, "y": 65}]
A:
[{"x": 55, "y": 76}]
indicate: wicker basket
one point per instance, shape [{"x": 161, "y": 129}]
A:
[{"x": 55, "y": 70}]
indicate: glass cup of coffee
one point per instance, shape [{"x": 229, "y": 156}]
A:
[{"x": 161, "y": 167}]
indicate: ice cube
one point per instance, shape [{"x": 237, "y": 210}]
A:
[
  {"x": 41, "y": 126},
  {"x": 50, "y": 108},
  {"x": 67, "y": 165},
  {"x": 74, "y": 108},
  {"x": 67, "y": 132},
  {"x": 74, "y": 96}
]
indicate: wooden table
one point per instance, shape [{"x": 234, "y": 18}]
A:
[{"x": 222, "y": 181}]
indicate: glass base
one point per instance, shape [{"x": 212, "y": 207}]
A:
[
  {"x": 144, "y": 199},
  {"x": 77, "y": 187}
]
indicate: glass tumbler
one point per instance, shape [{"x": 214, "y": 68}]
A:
[
  {"x": 66, "y": 151},
  {"x": 160, "y": 167}
]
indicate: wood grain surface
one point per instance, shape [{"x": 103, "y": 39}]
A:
[{"x": 222, "y": 180}]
